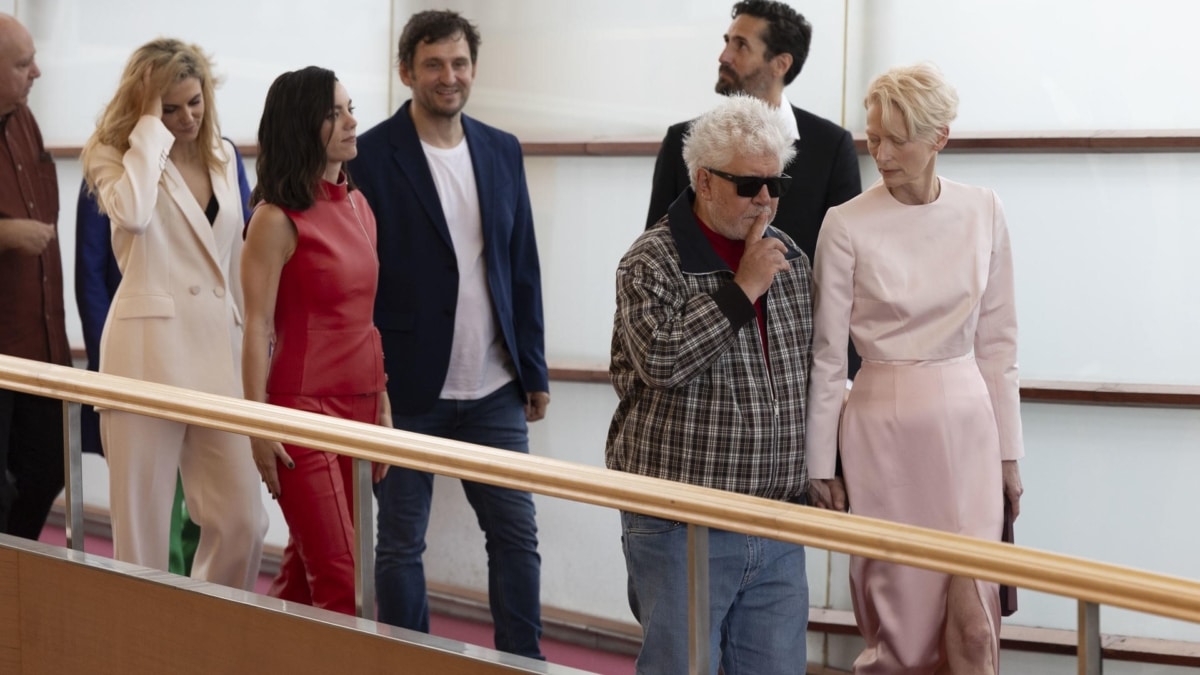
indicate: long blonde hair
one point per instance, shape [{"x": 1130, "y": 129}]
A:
[{"x": 169, "y": 61}]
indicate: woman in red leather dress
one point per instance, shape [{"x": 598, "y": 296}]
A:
[{"x": 309, "y": 273}]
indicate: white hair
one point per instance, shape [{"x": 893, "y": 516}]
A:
[{"x": 740, "y": 126}]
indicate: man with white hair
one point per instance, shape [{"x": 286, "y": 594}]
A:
[
  {"x": 710, "y": 352},
  {"x": 31, "y": 297}
]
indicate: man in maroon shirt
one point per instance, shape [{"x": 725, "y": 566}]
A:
[{"x": 31, "y": 298}]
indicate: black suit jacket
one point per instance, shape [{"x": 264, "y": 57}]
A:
[{"x": 824, "y": 174}]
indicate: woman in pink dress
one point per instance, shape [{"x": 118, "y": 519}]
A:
[
  {"x": 917, "y": 271},
  {"x": 309, "y": 273}
]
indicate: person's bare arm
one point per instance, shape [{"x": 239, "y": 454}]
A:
[{"x": 270, "y": 242}]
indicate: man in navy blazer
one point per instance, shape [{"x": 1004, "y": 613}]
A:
[{"x": 459, "y": 308}]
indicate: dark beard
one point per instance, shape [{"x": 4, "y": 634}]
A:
[
  {"x": 728, "y": 85},
  {"x": 725, "y": 88}
]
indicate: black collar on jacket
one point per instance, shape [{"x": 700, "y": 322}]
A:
[{"x": 696, "y": 255}]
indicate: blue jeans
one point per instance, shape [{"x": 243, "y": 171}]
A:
[
  {"x": 505, "y": 516},
  {"x": 758, "y": 599}
]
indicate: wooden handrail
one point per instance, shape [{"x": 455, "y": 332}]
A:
[
  {"x": 1041, "y": 391},
  {"x": 1122, "y": 141},
  {"x": 1055, "y": 573}
]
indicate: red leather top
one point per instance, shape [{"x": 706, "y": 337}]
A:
[{"x": 326, "y": 343}]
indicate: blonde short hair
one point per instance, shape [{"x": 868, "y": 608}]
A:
[{"x": 926, "y": 101}]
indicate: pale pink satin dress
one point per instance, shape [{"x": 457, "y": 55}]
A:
[{"x": 926, "y": 294}]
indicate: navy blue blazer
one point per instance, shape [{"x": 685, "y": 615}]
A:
[
  {"x": 97, "y": 277},
  {"x": 418, "y": 272}
]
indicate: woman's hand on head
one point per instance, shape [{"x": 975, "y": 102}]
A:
[{"x": 151, "y": 96}]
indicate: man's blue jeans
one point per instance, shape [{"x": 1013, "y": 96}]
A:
[
  {"x": 506, "y": 517},
  {"x": 758, "y": 599}
]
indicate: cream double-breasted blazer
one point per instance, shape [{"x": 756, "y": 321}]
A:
[{"x": 176, "y": 318}]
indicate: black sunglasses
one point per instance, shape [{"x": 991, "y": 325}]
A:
[{"x": 750, "y": 186}]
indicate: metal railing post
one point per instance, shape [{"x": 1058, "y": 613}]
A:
[
  {"x": 699, "y": 616},
  {"x": 1091, "y": 659},
  {"x": 72, "y": 483},
  {"x": 364, "y": 542}
]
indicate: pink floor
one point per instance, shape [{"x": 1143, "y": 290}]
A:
[{"x": 470, "y": 632}]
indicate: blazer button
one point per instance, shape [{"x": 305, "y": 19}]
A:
[
  {"x": 219, "y": 292},
  {"x": 194, "y": 290}
]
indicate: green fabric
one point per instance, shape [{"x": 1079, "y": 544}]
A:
[{"x": 185, "y": 535}]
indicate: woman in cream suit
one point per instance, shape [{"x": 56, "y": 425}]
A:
[
  {"x": 168, "y": 182},
  {"x": 918, "y": 271}
]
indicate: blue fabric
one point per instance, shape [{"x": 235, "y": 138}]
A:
[
  {"x": 758, "y": 599},
  {"x": 97, "y": 277},
  {"x": 418, "y": 278},
  {"x": 505, "y": 516},
  {"x": 96, "y": 272}
]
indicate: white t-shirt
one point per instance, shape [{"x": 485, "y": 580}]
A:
[{"x": 479, "y": 362}]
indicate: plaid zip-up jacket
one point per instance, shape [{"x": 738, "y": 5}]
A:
[{"x": 698, "y": 402}]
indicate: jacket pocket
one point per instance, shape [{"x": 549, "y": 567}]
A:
[
  {"x": 144, "y": 306},
  {"x": 637, "y": 523}
]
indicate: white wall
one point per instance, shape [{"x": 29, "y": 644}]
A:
[
  {"x": 618, "y": 69},
  {"x": 83, "y": 46},
  {"x": 1106, "y": 285},
  {"x": 1067, "y": 65}
]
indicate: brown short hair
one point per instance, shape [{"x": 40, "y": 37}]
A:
[{"x": 434, "y": 25}]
